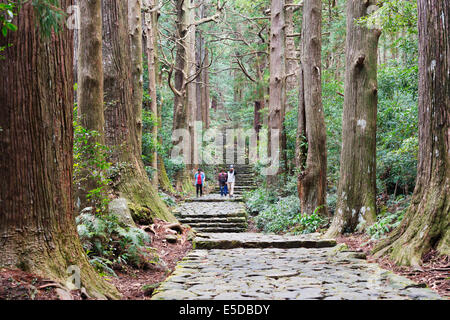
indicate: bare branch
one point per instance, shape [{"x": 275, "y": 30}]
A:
[{"x": 241, "y": 66}]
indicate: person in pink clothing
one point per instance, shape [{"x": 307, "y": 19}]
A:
[{"x": 199, "y": 180}]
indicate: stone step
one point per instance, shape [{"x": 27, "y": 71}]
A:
[
  {"x": 221, "y": 230},
  {"x": 224, "y": 199},
  {"x": 211, "y": 215},
  {"x": 255, "y": 240},
  {"x": 241, "y": 225},
  {"x": 227, "y": 219},
  {"x": 236, "y": 187}
]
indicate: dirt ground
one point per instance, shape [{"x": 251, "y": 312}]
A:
[
  {"x": 132, "y": 283},
  {"x": 135, "y": 284},
  {"x": 139, "y": 284}
]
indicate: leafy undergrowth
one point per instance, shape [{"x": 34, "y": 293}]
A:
[
  {"x": 274, "y": 214},
  {"x": 133, "y": 283},
  {"x": 138, "y": 284},
  {"x": 434, "y": 271}
]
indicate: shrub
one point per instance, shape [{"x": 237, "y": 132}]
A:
[
  {"x": 258, "y": 200},
  {"x": 279, "y": 216},
  {"x": 309, "y": 223},
  {"x": 109, "y": 244}
]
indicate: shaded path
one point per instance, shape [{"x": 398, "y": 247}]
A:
[{"x": 228, "y": 263}]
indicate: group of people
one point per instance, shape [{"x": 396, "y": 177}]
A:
[{"x": 226, "y": 182}]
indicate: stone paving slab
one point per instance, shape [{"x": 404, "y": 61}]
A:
[
  {"x": 259, "y": 240},
  {"x": 210, "y": 209},
  {"x": 282, "y": 274},
  {"x": 214, "y": 198}
]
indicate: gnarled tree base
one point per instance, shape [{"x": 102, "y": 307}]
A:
[
  {"x": 144, "y": 201},
  {"x": 184, "y": 182},
  {"x": 163, "y": 179},
  {"x": 425, "y": 226},
  {"x": 53, "y": 260}
]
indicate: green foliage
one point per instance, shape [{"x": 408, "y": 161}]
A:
[
  {"x": 258, "y": 200},
  {"x": 110, "y": 244},
  {"x": 333, "y": 104},
  {"x": 49, "y": 16},
  {"x": 279, "y": 216},
  {"x": 386, "y": 223},
  {"x": 397, "y": 123},
  {"x": 309, "y": 223},
  {"x": 168, "y": 200},
  {"x": 276, "y": 214},
  {"x": 7, "y": 12},
  {"x": 90, "y": 163},
  {"x": 393, "y": 16}
]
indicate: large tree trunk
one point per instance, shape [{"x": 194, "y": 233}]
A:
[
  {"x": 191, "y": 87},
  {"x": 122, "y": 116},
  {"x": 182, "y": 113},
  {"x": 356, "y": 205},
  {"x": 426, "y": 224},
  {"x": 137, "y": 90},
  {"x": 312, "y": 179},
  {"x": 291, "y": 53},
  {"x": 90, "y": 86},
  {"x": 206, "y": 94},
  {"x": 37, "y": 224},
  {"x": 150, "y": 33},
  {"x": 277, "y": 87}
]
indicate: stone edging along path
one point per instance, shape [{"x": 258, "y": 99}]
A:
[{"x": 229, "y": 263}]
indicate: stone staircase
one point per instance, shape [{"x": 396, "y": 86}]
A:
[
  {"x": 213, "y": 216},
  {"x": 212, "y": 213},
  {"x": 245, "y": 180}
]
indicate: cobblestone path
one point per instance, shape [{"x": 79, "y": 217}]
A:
[{"x": 229, "y": 263}]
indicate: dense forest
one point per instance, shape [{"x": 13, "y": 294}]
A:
[{"x": 340, "y": 108}]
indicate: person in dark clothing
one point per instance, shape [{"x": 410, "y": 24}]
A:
[
  {"x": 199, "y": 179},
  {"x": 223, "y": 177}
]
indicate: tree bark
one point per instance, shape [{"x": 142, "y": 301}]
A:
[
  {"x": 277, "y": 86},
  {"x": 37, "y": 225},
  {"x": 136, "y": 55},
  {"x": 312, "y": 180},
  {"x": 122, "y": 127},
  {"x": 291, "y": 53},
  {"x": 90, "y": 85},
  {"x": 191, "y": 87},
  {"x": 426, "y": 223},
  {"x": 182, "y": 111},
  {"x": 356, "y": 205},
  {"x": 150, "y": 33}
]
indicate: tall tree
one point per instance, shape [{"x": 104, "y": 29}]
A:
[
  {"x": 184, "y": 88},
  {"x": 182, "y": 113},
  {"x": 426, "y": 223},
  {"x": 356, "y": 203},
  {"x": 277, "y": 85},
  {"x": 36, "y": 154},
  {"x": 150, "y": 25},
  {"x": 136, "y": 59},
  {"x": 311, "y": 141},
  {"x": 90, "y": 84},
  {"x": 291, "y": 50},
  {"x": 123, "y": 126}
]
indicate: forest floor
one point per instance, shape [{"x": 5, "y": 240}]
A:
[
  {"x": 139, "y": 284},
  {"x": 135, "y": 284},
  {"x": 434, "y": 272}
]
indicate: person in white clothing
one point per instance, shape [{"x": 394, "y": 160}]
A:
[{"x": 231, "y": 180}]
